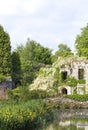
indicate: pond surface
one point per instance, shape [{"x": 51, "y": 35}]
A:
[{"x": 70, "y": 120}]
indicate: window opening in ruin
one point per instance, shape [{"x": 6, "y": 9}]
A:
[
  {"x": 64, "y": 91},
  {"x": 81, "y": 74},
  {"x": 64, "y": 75}
]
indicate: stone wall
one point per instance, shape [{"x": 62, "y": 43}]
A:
[
  {"x": 3, "y": 94},
  {"x": 3, "y": 88}
]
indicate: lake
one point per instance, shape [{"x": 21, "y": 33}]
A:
[{"x": 70, "y": 120}]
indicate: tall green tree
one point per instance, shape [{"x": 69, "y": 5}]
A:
[
  {"x": 36, "y": 52},
  {"x": 81, "y": 42},
  {"x": 5, "y": 53},
  {"x": 32, "y": 56},
  {"x": 63, "y": 51},
  {"x": 16, "y": 68}
]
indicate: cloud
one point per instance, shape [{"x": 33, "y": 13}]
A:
[
  {"x": 48, "y": 22},
  {"x": 32, "y": 6},
  {"x": 8, "y": 7},
  {"x": 20, "y": 7}
]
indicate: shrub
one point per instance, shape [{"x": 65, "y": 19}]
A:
[
  {"x": 24, "y": 94},
  {"x": 78, "y": 97},
  {"x": 81, "y": 81},
  {"x": 2, "y": 78},
  {"x": 65, "y": 106},
  {"x": 29, "y": 115},
  {"x": 71, "y": 82}
]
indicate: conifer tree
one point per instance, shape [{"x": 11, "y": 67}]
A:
[{"x": 5, "y": 53}]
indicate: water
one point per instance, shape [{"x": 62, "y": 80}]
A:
[{"x": 70, "y": 120}]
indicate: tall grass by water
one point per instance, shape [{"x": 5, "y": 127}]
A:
[{"x": 24, "y": 116}]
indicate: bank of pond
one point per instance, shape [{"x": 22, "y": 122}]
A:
[
  {"x": 38, "y": 115},
  {"x": 69, "y": 120},
  {"x": 34, "y": 113}
]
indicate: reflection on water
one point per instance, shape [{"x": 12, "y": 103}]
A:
[{"x": 74, "y": 120}]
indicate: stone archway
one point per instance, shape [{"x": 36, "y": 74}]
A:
[{"x": 64, "y": 91}]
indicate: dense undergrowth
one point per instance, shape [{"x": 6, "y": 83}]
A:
[
  {"x": 24, "y": 116},
  {"x": 24, "y": 110}
]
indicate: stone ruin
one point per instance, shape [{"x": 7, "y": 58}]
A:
[{"x": 78, "y": 68}]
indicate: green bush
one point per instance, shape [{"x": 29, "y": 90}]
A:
[
  {"x": 24, "y": 94},
  {"x": 37, "y": 94},
  {"x": 78, "y": 97},
  {"x": 2, "y": 78},
  {"x": 65, "y": 106},
  {"x": 81, "y": 81},
  {"x": 71, "y": 81},
  {"x": 19, "y": 94}
]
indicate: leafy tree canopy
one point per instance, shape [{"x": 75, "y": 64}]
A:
[
  {"x": 63, "y": 51},
  {"x": 81, "y": 42},
  {"x": 32, "y": 57}
]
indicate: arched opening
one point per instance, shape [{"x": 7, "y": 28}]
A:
[{"x": 64, "y": 91}]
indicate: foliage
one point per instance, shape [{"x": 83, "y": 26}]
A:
[
  {"x": 71, "y": 81},
  {"x": 16, "y": 68},
  {"x": 5, "y": 53},
  {"x": 78, "y": 97},
  {"x": 57, "y": 76},
  {"x": 24, "y": 94},
  {"x": 19, "y": 94},
  {"x": 83, "y": 52},
  {"x": 38, "y": 94},
  {"x": 65, "y": 106},
  {"x": 63, "y": 51},
  {"x": 81, "y": 42},
  {"x": 35, "y": 56},
  {"x": 2, "y": 78},
  {"x": 29, "y": 115},
  {"x": 81, "y": 81}
]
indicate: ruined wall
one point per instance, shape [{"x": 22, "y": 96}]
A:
[
  {"x": 69, "y": 66},
  {"x": 81, "y": 65},
  {"x": 3, "y": 94},
  {"x": 86, "y": 77},
  {"x": 77, "y": 69},
  {"x": 76, "y": 66}
]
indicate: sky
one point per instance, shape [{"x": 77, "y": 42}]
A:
[{"x": 48, "y": 22}]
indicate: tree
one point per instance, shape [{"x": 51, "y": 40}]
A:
[
  {"x": 45, "y": 55},
  {"x": 16, "y": 68},
  {"x": 63, "y": 51},
  {"x": 5, "y": 53},
  {"x": 81, "y": 42},
  {"x": 32, "y": 56},
  {"x": 36, "y": 52}
]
